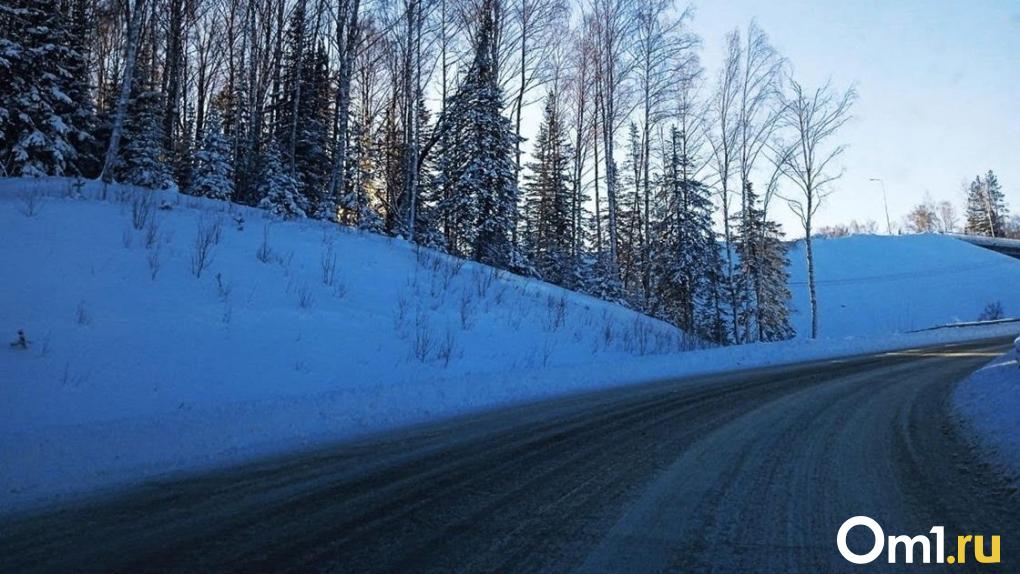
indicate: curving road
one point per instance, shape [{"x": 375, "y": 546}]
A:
[{"x": 746, "y": 472}]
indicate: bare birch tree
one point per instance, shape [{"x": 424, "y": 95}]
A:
[
  {"x": 813, "y": 119},
  {"x": 613, "y": 26},
  {"x": 127, "y": 78},
  {"x": 723, "y": 131},
  {"x": 659, "y": 52}
]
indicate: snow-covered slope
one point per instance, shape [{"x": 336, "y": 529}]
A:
[
  {"x": 988, "y": 405},
  {"x": 136, "y": 367},
  {"x": 869, "y": 285},
  {"x": 132, "y": 350}
]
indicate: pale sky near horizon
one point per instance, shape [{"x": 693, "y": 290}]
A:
[{"x": 938, "y": 83}]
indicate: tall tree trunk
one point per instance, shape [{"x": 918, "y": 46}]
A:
[
  {"x": 130, "y": 55},
  {"x": 812, "y": 295},
  {"x": 348, "y": 38},
  {"x": 296, "y": 95},
  {"x": 411, "y": 115},
  {"x": 173, "y": 76}
]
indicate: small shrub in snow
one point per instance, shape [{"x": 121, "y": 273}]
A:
[
  {"x": 151, "y": 233},
  {"x": 82, "y": 314},
  {"x": 545, "y": 353},
  {"x": 992, "y": 312},
  {"x": 305, "y": 298},
  {"x": 206, "y": 237},
  {"x": 127, "y": 237},
  {"x": 422, "y": 344},
  {"x": 449, "y": 269},
  {"x": 141, "y": 209},
  {"x": 286, "y": 262},
  {"x": 264, "y": 253},
  {"x": 466, "y": 310},
  {"x": 638, "y": 339},
  {"x": 426, "y": 258},
  {"x": 29, "y": 204},
  {"x": 400, "y": 314},
  {"x": 500, "y": 294},
  {"x": 608, "y": 335},
  {"x": 483, "y": 279},
  {"x": 21, "y": 342},
  {"x": 445, "y": 349},
  {"x": 76, "y": 190},
  {"x": 557, "y": 307},
  {"x": 121, "y": 195},
  {"x": 216, "y": 229},
  {"x": 327, "y": 262},
  {"x": 223, "y": 287},
  {"x": 155, "y": 261},
  {"x": 339, "y": 290}
]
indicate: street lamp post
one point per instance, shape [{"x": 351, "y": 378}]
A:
[{"x": 885, "y": 201}]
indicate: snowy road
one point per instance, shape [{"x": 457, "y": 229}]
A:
[{"x": 750, "y": 472}]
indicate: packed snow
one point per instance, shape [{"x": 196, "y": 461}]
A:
[
  {"x": 988, "y": 404},
  {"x": 869, "y": 285},
  {"x": 166, "y": 333}
]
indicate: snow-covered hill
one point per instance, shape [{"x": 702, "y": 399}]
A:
[
  {"x": 287, "y": 332},
  {"x": 870, "y": 285},
  {"x": 144, "y": 357}
]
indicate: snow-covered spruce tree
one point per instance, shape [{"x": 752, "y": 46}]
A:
[
  {"x": 631, "y": 220},
  {"x": 428, "y": 221},
  {"x": 454, "y": 214},
  {"x": 687, "y": 267},
  {"x": 986, "y": 207},
  {"x": 142, "y": 161},
  {"x": 213, "y": 174},
  {"x": 43, "y": 114},
  {"x": 479, "y": 166},
  {"x": 355, "y": 205},
  {"x": 765, "y": 315},
  {"x": 182, "y": 156},
  {"x": 278, "y": 189},
  {"x": 304, "y": 115},
  {"x": 547, "y": 232}
]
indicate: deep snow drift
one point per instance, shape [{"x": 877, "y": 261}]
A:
[
  {"x": 145, "y": 358},
  {"x": 869, "y": 285},
  {"x": 988, "y": 404}
]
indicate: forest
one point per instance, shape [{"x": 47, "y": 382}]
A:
[{"x": 650, "y": 181}]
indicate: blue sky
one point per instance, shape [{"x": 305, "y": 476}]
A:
[{"x": 939, "y": 86}]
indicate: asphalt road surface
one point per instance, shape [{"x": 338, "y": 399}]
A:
[{"x": 747, "y": 472}]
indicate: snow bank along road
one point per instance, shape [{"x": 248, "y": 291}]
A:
[{"x": 745, "y": 472}]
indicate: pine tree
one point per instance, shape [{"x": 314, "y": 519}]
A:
[
  {"x": 278, "y": 189},
  {"x": 762, "y": 275},
  {"x": 213, "y": 173},
  {"x": 304, "y": 115},
  {"x": 479, "y": 164},
  {"x": 355, "y": 205},
  {"x": 183, "y": 153},
  {"x": 986, "y": 207},
  {"x": 686, "y": 260},
  {"x": 43, "y": 112},
  {"x": 547, "y": 234},
  {"x": 82, "y": 25},
  {"x": 142, "y": 161},
  {"x": 631, "y": 219}
]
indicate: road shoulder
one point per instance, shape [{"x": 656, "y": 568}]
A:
[{"x": 987, "y": 407}]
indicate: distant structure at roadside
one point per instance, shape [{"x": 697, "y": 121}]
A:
[{"x": 1009, "y": 247}]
